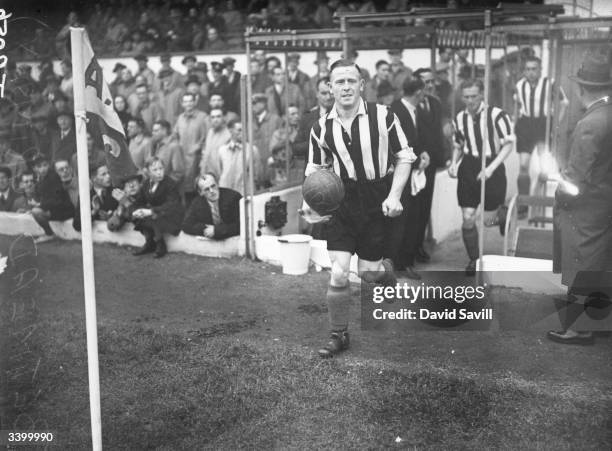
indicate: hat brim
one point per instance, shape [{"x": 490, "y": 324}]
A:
[
  {"x": 582, "y": 81},
  {"x": 126, "y": 179}
]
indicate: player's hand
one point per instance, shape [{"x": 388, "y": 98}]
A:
[
  {"x": 425, "y": 160},
  {"x": 487, "y": 174},
  {"x": 452, "y": 170},
  {"x": 392, "y": 207},
  {"x": 311, "y": 216},
  {"x": 209, "y": 231}
]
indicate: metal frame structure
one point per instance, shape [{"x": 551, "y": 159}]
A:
[{"x": 485, "y": 28}]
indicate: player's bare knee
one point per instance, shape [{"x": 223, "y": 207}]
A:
[
  {"x": 469, "y": 221},
  {"x": 339, "y": 275}
]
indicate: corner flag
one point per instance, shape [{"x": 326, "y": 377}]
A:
[{"x": 103, "y": 118}]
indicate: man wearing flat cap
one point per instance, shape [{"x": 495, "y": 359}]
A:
[
  {"x": 113, "y": 86},
  {"x": 399, "y": 72},
  {"x": 233, "y": 81},
  {"x": 582, "y": 250},
  {"x": 144, "y": 69},
  {"x": 176, "y": 79},
  {"x": 300, "y": 79},
  {"x": 63, "y": 142},
  {"x": 218, "y": 84}
]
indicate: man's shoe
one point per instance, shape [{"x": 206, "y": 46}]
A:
[
  {"x": 148, "y": 247},
  {"x": 411, "y": 273},
  {"x": 470, "y": 269},
  {"x": 422, "y": 256},
  {"x": 160, "y": 248},
  {"x": 339, "y": 342},
  {"x": 389, "y": 279},
  {"x": 570, "y": 337}
]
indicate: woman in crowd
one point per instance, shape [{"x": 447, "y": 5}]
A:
[
  {"x": 158, "y": 209},
  {"x": 121, "y": 108}
]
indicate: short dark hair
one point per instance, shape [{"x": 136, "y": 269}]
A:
[
  {"x": 471, "y": 82},
  {"x": 138, "y": 121},
  {"x": 188, "y": 94},
  {"x": 421, "y": 70},
  {"x": 24, "y": 173},
  {"x": 142, "y": 85},
  {"x": 533, "y": 59},
  {"x": 233, "y": 122},
  {"x": 380, "y": 63},
  {"x": 165, "y": 124},
  {"x": 343, "y": 62},
  {"x": 93, "y": 169},
  {"x": 322, "y": 80},
  {"x": 412, "y": 85},
  {"x": 6, "y": 171}
]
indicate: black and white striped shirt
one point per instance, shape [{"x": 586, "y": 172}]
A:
[
  {"x": 364, "y": 152},
  {"x": 534, "y": 101},
  {"x": 488, "y": 130}
]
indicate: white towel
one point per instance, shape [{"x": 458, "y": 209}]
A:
[{"x": 418, "y": 180}]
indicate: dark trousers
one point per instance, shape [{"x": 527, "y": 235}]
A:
[
  {"x": 425, "y": 197},
  {"x": 403, "y": 231}
]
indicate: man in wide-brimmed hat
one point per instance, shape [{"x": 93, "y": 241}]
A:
[{"x": 583, "y": 211}]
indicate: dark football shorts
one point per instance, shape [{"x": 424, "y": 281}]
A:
[
  {"x": 358, "y": 226},
  {"x": 529, "y": 132},
  {"x": 468, "y": 187}
]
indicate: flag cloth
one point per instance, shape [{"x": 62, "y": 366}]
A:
[{"x": 103, "y": 119}]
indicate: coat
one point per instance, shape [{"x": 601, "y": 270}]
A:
[
  {"x": 199, "y": 215},
  {"x": 8, "y": 204},
  {"x": 54, "y": 198},
  {"x": 583, "y": 223},
  {"x": 165, "y": 203}
]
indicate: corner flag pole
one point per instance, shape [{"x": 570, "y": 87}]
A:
[{"x": 78, "y": 73}]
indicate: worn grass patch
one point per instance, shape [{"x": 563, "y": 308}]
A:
[{"x": 172, "y": 392}]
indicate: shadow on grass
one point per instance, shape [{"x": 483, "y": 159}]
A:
[{"x": 166, "y": 391}]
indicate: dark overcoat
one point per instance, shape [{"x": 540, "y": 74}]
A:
[
  {"x": 583, "y": 223},
  {"x": 166, "y": 204}
]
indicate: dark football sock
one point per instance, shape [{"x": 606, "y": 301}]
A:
[
  {"x": 338, "y": 304},
  {"x": 470, "y": 240}
]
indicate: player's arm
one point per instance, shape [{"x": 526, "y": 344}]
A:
[
  {"x": 404, "y": 157},
  {"x": 503, "y": 128},
  {"x": 317, "y": 160},
  {"x": 458, "y": 141}
]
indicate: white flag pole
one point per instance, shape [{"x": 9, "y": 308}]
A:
[{"x": 77, "y": 36}]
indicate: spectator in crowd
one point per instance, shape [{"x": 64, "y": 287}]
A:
[
  {"x": 55, "y": 203},
  {"x": 323, "y": 15},
  {"x": 7, "y": 193},
  {"x": 212, "y": 19},
  {"x": 121, "y": 108},
  {"x": 113, "y": 86},
  {"x": 278, "y": 98},
  {"x": 383, "y": 73},
  {"x": 63, "y": 144},
  {"x": 38, "y": 106},
  {"x": 280, "y": 151},
  {"x": 158, "y": 209},
  {"x": 443, "y": 90},
  {"x": 230, "y": 160},
  {"x": 385, "y": 93},
  {"x": 140, "y": 145},
  {"x": 42, "y": 45},
  {"x": 41, "y": 137},
  {"x": 70, "y": 183},
  {"x": 233, "y": 81},
  {"x": 198, "y": 37},
  {"x": 26, "y": 200},
  {"x": 259, "y": 80},
  {"x": 399, "y": 72},
  {"x": 193, "y": 86},
  {"x": 170, "y": 96},
  {"x": 95, "y": 155},
  {"x": 233, "y": 18},
  {"x": 13, "y": 123},
  {"x": 144, "y": 69},
  {"x": 190, "y": 130},
  {"x": 218, "y": 135},
  {"x": 66, "y": 83},
  {"x": 215, "y": 213},
  {"x": 189, "y": 62},
  {"x": 168, "y": 151},
  {"x": 271, "y": 63},
  {"x": 167, "y": 71},
  {"x": 325, "y": 100},
  {"x": 214, "y": 42},
  {"x": 264, "y": 125},
  {"x": 217, "y": 101},
  {"x": 8, "y": 158},
  {"x": 128, "y": 83},
  {"x": 62, "y": 38},
  {"x": 300, "y": 79},
  {"x": 127, "y": 198},
  {"x": 352, "y": 57},
  {"x": 103, "y": 204},
  {"x": 148, "y": 111},
  {"x": 219, "y": 83}
]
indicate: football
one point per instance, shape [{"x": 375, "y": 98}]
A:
[{"x": 323, "y": 191}]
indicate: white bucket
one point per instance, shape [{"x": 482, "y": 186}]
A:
[{"x": 295, "y": 253}]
